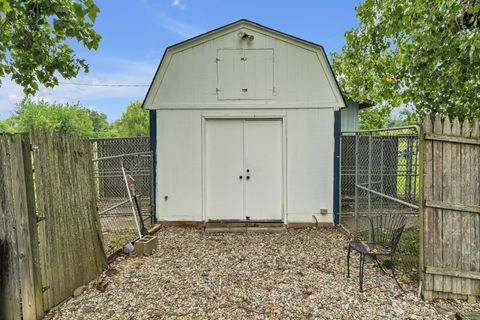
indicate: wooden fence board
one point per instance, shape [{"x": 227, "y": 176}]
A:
[
  {"x": 455, "y": 233},
  {"x": 437, "y": 195},
  {"x": 20, "y": 284},
  {"x": 68, "y": 201},
  {"x": 465, "y": 196},
  {"x": 19, "y": 195},
  {"x": 448, "y": 254},
  {"x": 44, "y": 197},
  {"x": 10, "y": 303},
  {"x": 452, "y": 206},
  {"x": 50, "y": 246},
  {"x": 475, "y": 235},
  {"x": 32, "y": 224},
  {"x": 451, "y": 193},
  {"x": 444, "y": 138},
  {"x": 428, "y": 222}
]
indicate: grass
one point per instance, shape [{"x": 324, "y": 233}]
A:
[
  {"x": 114, "y": 240},
  {"x": 402, "y": 178},
  {"x": 408, "y": 253}
]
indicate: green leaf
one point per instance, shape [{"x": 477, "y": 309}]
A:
[
  {"x": 432, "y": 53},
  {"x": 5, "y": 6},
  {"x": 92, "y": 10},
  {"x": 38, "y": 39}
]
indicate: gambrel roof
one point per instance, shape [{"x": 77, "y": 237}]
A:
[{"x": 153, "y": 90}]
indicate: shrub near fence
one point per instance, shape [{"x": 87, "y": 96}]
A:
[
  {"x": 450, "y": 215},
  {"x": 50, "y": 238}
]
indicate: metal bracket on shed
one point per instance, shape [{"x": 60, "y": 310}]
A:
[
  {"x": 39, "y": 218},
  {"x": 45, "y": 288}
]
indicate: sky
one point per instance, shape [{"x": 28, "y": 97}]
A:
[{"x": 135, "y": 33}]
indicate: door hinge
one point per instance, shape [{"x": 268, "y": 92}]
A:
[
  {"x": 217, "y": 60},
  {"x": 39, "y": 218},
  {"x": 45, "y": 288},
  {"x": 33, "y": 147}
]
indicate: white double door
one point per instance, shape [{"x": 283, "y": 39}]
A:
[{"x": 244, "y": 174}]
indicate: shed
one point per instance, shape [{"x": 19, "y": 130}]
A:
[
  {"x": 350, "y": 114},
  {"x": 245, "y": 125}
]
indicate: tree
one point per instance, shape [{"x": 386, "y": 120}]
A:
[
  {"x": 414, "y": 53},
  {"x": 374, "y": 117},
  {"x": 5, "y": 127},
  {"x": 35, "y": 40},
  {"x": 405, "y": 117},
  {"x": 133, "y": 122},
  {"x": 72, "y": 119},
  {"x": 101, "y": 127}
]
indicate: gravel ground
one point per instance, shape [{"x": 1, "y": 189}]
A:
[{"x": 299, "y": 274}]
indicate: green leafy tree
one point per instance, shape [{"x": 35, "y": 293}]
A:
[
  {"x": 374, "y": 117},
  {"x": 133, "y": 122},
  {"x": 65, "y": 119},
  {"x": 405, "y": 117},
  {"x": 414, "y": 53},
  {"x": 72, "y": 119},
  {"x": 101, "y": 127},
  {"x": 35, "y": 37},
  {"x": 7, "y": 125}
]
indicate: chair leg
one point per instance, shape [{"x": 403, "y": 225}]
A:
[
  {"x": 395, "y": 277},
  {"x": 362, "y": 264},
  {"x": 348, "y": 260}
]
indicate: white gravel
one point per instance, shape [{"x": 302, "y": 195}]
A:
[{"x": 299, "y": 274}]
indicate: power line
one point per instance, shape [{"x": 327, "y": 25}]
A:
[{"x": 104, "y": 84}]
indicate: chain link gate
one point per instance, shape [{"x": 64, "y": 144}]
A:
[
  {"x": 379, "y": 174},
  {"x": 118, "y": 223}
]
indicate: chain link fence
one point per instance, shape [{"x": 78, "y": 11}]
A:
[
  {"x": 380, "y": 175},
  {"x": 119, "y": 225}
]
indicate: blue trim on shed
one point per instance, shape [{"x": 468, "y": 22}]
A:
[
  {"x": 153, "y": 148},
  {"x": 336, "y": 166}
]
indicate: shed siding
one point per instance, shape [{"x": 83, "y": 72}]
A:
[
  {"x": 350, "y": 116},
  {"x": 220, "y": 74},
  {"x": 188, "y": 77},
  {"x": 309, "y": 167}
]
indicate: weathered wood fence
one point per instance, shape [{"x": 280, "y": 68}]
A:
[
  {"x": 50, "y": 237},
  {"x": 450, "y": 215}
]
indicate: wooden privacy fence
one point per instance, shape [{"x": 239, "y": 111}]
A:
[
  {"x": 20, "y": 284},
  {"x": 450, "y": 255},
  {"x": 50, "y": 237}
]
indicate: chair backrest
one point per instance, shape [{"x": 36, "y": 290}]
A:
[{"x": 387, "y": 229}]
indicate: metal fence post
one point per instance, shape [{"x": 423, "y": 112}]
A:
[
  {"x": 382, "y": 168},
  {"x": 356, "y": 182},
  {"x": 340, "y": 181},
  {"x": 369, "y": 194}
]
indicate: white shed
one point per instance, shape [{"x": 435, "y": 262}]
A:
[{"x": 245, "y": 124}]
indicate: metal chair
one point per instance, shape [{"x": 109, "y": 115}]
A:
[{"x": 386, "y": 231}]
